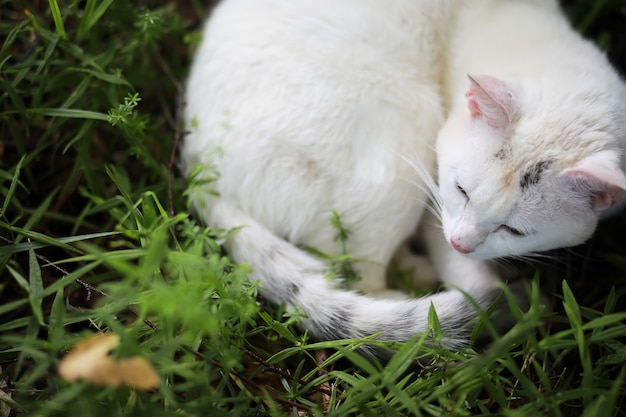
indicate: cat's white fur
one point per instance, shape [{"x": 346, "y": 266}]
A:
[{"x": 302, "y": 107}]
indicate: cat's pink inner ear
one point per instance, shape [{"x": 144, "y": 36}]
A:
[
  {"x": 599, "y": 176},
  {"x": 491, "y": 100}
]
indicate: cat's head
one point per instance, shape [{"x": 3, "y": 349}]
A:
[{"x": 523, "y": 170}]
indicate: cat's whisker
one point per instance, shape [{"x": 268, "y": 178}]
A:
[
  {"x": 436, "y": 212},
  {"x": 545, "y": 256},
  {"x": 570, "y": 252},
  {"x": 424, "y": 173},
  {"x": 432, "y": 207},
  {"x": 537, "y": 258},
  {"x": 507, "y": 263},
  {"x": 435, "y": 203}
]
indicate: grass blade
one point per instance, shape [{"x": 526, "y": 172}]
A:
[
  {"x": 58, "y": 19},
  {"x": 56, "y": 321},
  {"x": 36, "y": 286},
  {"x": 572, "y": 310},
  {"x": 92, "y": 13},
  {"x": 605, "y": 404},
  {"x": 70, "y": 113},
  {"x": 22, "y": 247},
  {"x": 14, "y": 182}
]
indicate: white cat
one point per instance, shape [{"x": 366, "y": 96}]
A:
[{"x": 302, "y": 107}]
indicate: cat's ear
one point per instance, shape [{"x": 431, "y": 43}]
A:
[
  {"x": 598, "y": 177},
  {"x": 491, "y": 100}
]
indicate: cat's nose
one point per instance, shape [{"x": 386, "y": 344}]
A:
[{"x": 455, "y": 242}]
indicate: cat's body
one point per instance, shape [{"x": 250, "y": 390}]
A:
[{"x": 303, "y": 107}]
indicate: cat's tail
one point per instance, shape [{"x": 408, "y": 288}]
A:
[{"x": 293, "y": 276}]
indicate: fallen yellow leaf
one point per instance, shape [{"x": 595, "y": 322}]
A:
[
  {"x": 80, "y": 362},
  {"x": 137, "y": 372},
  {"x": 90, "y": 361}
]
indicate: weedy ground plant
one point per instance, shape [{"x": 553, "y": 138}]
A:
[{"x": 115, "y": 300}]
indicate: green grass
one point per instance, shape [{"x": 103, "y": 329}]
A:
[{"x": 96, "y": 236}]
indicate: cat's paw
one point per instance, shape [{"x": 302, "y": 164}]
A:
[{"x": 423, "y": 271}]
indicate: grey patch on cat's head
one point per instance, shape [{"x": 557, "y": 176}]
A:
[
  {"x": 533, "y": 175},
  {"x": 502, "y": 154}
]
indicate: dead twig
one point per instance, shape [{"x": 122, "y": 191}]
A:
[
  {"x": 321, "y": 356},
  {"x": 279, "y": 371},
  {"x": 248, "y": 381},
  {"x": 90, "y": 289}
]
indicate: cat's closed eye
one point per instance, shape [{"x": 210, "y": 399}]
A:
[
  {"x": 513, "y": 231},
  {"x": 462, "y": 191}
]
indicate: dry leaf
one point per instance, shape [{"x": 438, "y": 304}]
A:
[
  {"x": 138, "y": 372},
  {"x": 80, "y": 362},
  {"x": 90, "y": 360}
]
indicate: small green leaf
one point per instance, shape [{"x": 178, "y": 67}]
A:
[
  {"x": 279, "y": 328},
  {"x": 337, "y": 223},
  {"x": 56, "y": 321},
  {"x": 21, "y": 281},
  {"x": 611, "y": 300},
  {"x": 433, "y": 321},
  {"x": 573, "y": 314},
  {"x": 13, "y": 305},
  {"x": 36, "y": 286}
]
